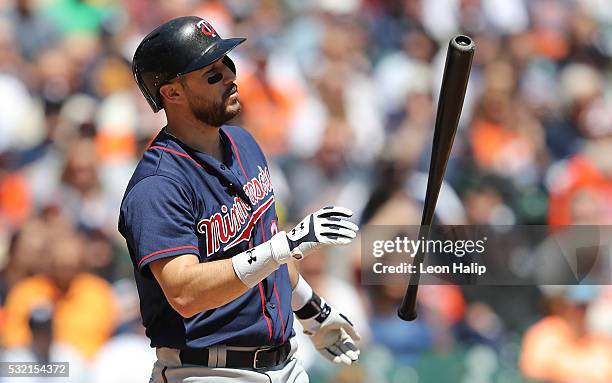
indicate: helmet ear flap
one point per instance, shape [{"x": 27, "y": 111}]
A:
[
  {"x": 229, "y": 63},
  {"x": 154, "y": 101}
]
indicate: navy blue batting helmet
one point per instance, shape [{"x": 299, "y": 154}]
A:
[{"x": 175, "y": 48}]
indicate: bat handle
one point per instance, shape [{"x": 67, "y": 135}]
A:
[{"x": 407, "y": 310}]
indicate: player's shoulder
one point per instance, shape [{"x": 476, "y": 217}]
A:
[
  {"x": 157, "y": 175},
  {"x": 149, "y": 172},
  {"x": 163, "y": 159},
  {"x": 156, "y": 188}
]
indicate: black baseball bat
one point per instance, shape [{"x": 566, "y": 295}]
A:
[{"x": 454, "y": 83}]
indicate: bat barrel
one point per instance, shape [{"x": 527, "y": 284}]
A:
[
  {"x": 452, "y": 93},
  {"x": 463, "y": 43}
]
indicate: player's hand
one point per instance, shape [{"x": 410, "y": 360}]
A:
[
  {"x": 333, "y": 335},
  {"x": 327, "y": 226}
]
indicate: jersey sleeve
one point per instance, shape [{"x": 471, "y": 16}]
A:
[{"x": 157, "y": 221}]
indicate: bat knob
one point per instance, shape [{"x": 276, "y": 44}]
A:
[{"x": 406, "y": 315}]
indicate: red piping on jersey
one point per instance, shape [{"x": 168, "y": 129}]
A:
[
  {"x": 165, "y": 251},
  {"x": 263, "y": 232},
  {"x": 163, "y": 374},
  {"x": 179, "y": 154},
  {"x": 280, "y": 312},
  {"x": 237, "y": 155},
  {"x": 261, "y": 293},
  {"x": 263, "y": 309}
]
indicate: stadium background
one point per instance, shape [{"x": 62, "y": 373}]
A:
[{"x": 341, "y": 95}]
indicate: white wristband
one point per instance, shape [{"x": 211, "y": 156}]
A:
[
  {"x": 255, "y": 264},
  {"x": 302, "y": 294}
]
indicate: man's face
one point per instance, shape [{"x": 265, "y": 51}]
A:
[{"x": 212, "y": 94}]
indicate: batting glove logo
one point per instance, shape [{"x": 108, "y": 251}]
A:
[
  {"x": 252, "y": 258},
  {"x": 328, "y": 226}
]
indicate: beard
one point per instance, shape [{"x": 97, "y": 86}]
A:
[{"x": 216, "y": 112}]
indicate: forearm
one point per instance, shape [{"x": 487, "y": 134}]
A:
[
  {"x": 192, "y": 287},
  {"x": 213, "y": 284},
  {"x": 331, "y": 332},
  {"x": 294, "y": 274},
  {"x": 206, "y": 286},
  {"x": 301, "y": 293}
]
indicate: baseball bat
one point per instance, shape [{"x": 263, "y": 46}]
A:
[{"x": 454, "y": 83}]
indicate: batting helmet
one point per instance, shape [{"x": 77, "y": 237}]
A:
[{"x": 175, "y": 48}]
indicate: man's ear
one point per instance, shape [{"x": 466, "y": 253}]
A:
[{"x": 171, "y": 93}]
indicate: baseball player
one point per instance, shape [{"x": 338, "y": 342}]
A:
[{"x": 217, "y": 281}]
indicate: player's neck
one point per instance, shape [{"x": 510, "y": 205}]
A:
[{"x": 198, "y": 136}]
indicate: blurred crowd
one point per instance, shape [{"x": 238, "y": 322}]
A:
[{"x": 341, "y": 95}]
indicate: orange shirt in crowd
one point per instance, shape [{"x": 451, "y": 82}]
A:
[
  {"x": 84, "y": 317},
  {"x": 446, "y": 300},
  {"x": 267, "y": 111},
  {"x": 2, "y": 319},
  {"x": 580, "y": 174},
  {"x": 15, "y": 201},
  {"x": 552, "y": 352},
  {"x": 494, "y": 146}
]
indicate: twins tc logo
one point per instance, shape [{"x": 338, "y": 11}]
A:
[{"x": 206, "y": 28}]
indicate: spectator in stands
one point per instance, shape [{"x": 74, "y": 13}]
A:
[{"x": 84, "y": 307}]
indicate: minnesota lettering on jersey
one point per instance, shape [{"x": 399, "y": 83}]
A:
[{"x": 235, "y": 224}]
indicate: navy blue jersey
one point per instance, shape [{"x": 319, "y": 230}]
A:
[{"x": 183, "y": 201}]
